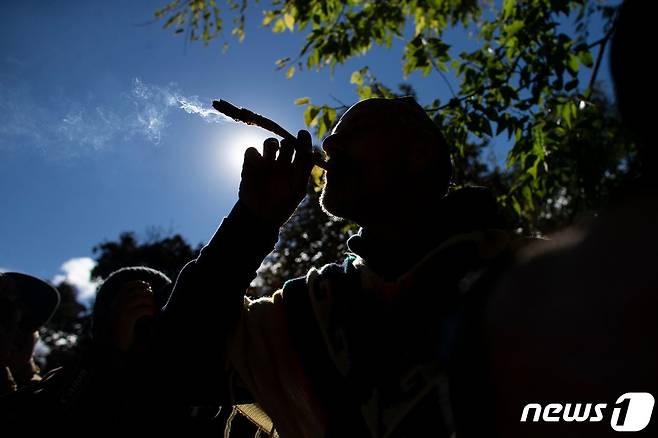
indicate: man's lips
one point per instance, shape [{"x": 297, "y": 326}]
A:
[
  {"x": 335, "y": 167},
  {"x": 336, "y": 163}
]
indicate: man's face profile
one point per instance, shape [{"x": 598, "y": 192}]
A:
[{"x": 362, "y": 161}]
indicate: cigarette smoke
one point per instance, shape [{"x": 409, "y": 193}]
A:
[
  {"x": 67, "y": 126},
  {"x": 153, "y": 95},
  {"x": 192, "y": 106}
]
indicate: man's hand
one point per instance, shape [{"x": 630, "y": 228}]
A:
[
  {"x": 272, "y": 186},
  {"x": 23, "y": 348},
  {"x": 133, "y": 302}
]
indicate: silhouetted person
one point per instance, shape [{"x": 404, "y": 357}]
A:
[
  {"x": 359, "y": 348},
  {"x": 117, "y": 382},
  {"x": 577, "y": 321},
  {"x": 120, "y": 365},
  {"x": 26, "y": 303}
]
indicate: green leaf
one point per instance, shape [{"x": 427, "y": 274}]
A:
[
  {"x": 310, "y": 115},
  {"x": 573, "y": 63},
  {"x": 514, "y": 27},
  {"x": 291, "y": 72},
  {"x": 269, "y": 16},
  {"x": 518, "y": 134},
  {"x": 568, "y": 113},
  {"x": 530, "y": 164},
  {"x": 323, "y": 126},
  {"x": 527, "y": 197},
  {"x": 365, "y": 92},
  {"x": 508, "y": 8},
  {"x": 280, "y": 63},
  {"x": 331, "y": 115},
  {"x": 586, "y": 58},
  {"x": 303, "y": 101},
  {"x": 356, "y": 78},
  {"x": 516, "y": 206},
  {"x": 279, "y": 26},
  {"x": 420, "y": 24},
  {"x": 289, "y": 21}
]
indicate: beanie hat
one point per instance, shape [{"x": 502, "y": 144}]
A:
[{"x": 107, "y": 291}]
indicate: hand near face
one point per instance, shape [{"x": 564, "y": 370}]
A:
[
  {"x": 23, "y": 347},
  {"x": 134, "y": 301},
  {"x": 274, "y": 184},
  {"x": 10, "y": 316}
]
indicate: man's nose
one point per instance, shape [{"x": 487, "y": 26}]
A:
[{"x": 331, "y": 144}]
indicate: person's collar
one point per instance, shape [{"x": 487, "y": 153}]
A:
[
  {"x": 391, "y": 256},
  {"x": 461, "y": 211}
]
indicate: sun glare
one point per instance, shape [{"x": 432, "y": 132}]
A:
[{"x": 231, "y": 149}]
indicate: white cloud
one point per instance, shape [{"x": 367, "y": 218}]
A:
[
  {"x": 3, "y": 269},
  {"x": 77, "y": 272}
]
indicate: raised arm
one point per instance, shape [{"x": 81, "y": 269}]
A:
[{"x": 207, "y": 299}]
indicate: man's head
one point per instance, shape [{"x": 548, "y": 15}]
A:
[
  {"x": 26, "y": 303},
  {"x": 385, "y": 156},
  {"x": 125, "y": 304}
]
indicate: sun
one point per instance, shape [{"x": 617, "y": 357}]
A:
[{"x": 230, "y": 153}]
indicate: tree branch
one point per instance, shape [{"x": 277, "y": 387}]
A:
[
  {"x": 456, "y": 100},
  {"x": 603, "y": 42},
  {"x": 343, "y": 105},
  {"x": 436, "y": 67}
]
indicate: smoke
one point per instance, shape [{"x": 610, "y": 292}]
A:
[
  {"x": 193, "y": 106},
  {"x": 67, "y": 127},
  {"x": 155, "y": 103},
  {"x": 155, "y": 99}
]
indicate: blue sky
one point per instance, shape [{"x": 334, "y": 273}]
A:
[{"x": 92, "y": 139}]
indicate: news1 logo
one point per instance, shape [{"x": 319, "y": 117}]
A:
[{"x": 631, "y": 412}]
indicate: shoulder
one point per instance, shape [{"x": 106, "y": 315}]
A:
[
  {"x": 300, "y": 291},
  {"x": 299, "y": 297}
]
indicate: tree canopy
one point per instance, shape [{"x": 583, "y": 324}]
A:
[
  {"x": 166, "y": 253},
  {"x": 529, "y": 78}
]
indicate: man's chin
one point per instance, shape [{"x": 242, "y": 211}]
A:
[{"x": 332, "y": 204}]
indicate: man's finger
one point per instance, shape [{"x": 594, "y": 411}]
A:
[
  {"x": 304, "y": 142},
  {"x": 270, "y": 146},
  {"x": 303, "y": 151},
  {"x": 252, "y": 156},
  {"x": 252, "y": 160},
  {"x": 287, "y": 149}
]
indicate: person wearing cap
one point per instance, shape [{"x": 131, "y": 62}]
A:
[
  {"x": 114, "y": 378},
  {"x": 359, "y": 348},
  {"x": 26, "y": 304},
  {"x": 125, "y": 305},
  {"x": 126, "y": 382}
]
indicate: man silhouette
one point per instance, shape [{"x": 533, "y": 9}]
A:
[
  {"x": 361, "y": 348},
  {"x": 26, "y": 303}
]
